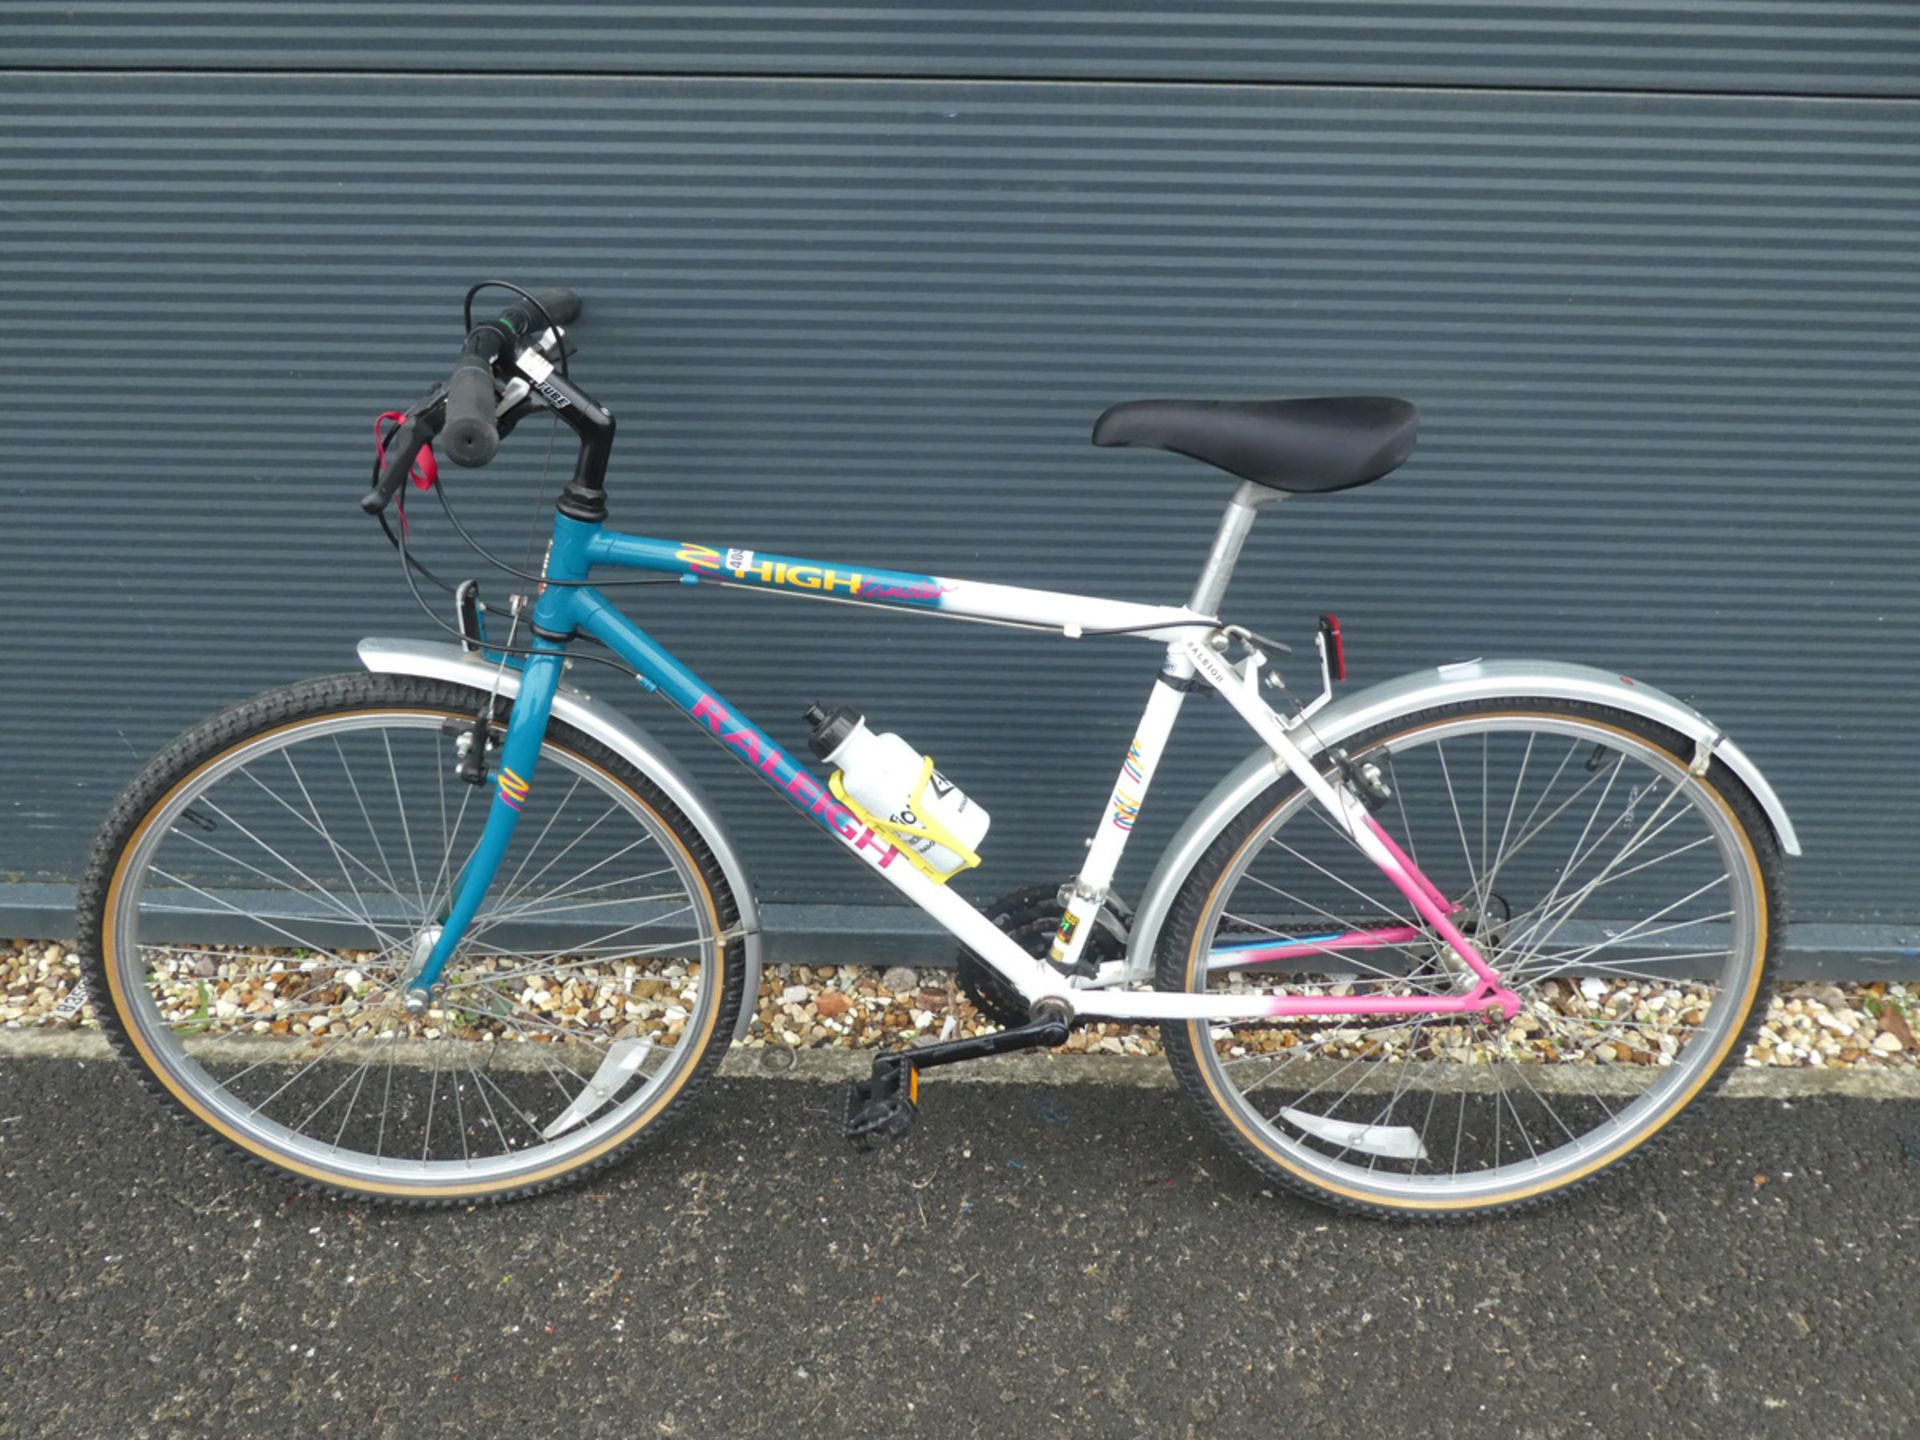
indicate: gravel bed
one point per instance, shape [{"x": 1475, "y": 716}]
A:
[{"x": 1809, "y": 1025}]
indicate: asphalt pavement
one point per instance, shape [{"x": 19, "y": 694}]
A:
[{"x": 1036, "y": 1259}]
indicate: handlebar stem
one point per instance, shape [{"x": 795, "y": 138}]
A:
[{"x": 585, "y": 497}]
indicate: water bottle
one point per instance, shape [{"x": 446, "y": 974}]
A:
[{"x": 890, "y": 780}]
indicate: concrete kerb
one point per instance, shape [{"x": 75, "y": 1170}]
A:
[{"x": 1140, "y": 1072}]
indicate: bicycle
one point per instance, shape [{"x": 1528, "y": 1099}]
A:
[{"x": 1448, "y": 945}]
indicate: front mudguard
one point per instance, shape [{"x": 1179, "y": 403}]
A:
[
  {"x": 1447, "y": 685},
  {"x": 613, "y": 729}
]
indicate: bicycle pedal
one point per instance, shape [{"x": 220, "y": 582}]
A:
[{"x": 884, "y": 1106}]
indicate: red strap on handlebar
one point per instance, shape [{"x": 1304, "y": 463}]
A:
[{"x": 426, "y": 470}]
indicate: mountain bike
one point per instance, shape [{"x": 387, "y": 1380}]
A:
[{"x": 451, "y": 929}]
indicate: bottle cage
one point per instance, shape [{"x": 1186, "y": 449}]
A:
[{"x": 927, "y": 829}]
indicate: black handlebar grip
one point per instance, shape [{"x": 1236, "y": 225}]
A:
[
  {"x": 469, "y": 436},
  {"x": 523, "y": 320},
  {"x": 562, "y": 306}
]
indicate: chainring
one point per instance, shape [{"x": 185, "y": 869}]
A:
[{"x": 1029, "y": 916}]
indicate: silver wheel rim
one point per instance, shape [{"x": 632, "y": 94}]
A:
[
  {"x": 493, "y": 1054},
  {"x": 1376, "y": 1100}
]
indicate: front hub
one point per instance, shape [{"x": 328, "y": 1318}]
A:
[{"x": 418, "y": 996}]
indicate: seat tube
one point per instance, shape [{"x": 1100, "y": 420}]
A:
[
  {"x": 1116, "y": 825},
  {"x": 1156, "y": 725}
]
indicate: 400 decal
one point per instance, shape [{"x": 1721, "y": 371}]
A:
[{"x": 771, "y": 570}]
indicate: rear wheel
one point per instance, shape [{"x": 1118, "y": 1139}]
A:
[
  {"x": 256, "y": 896},
  {"x": 1630, "y": 902}
]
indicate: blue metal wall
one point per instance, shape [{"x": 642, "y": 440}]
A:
[
  {"x": 1665, "y": 342},
  {"x": 1789, "y": 47}
]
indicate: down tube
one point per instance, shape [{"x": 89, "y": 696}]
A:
[{"x": 660, "y": 670}]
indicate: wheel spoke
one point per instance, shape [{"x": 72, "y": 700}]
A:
[
  {"x": 515, "y": 894},
  {"x": 400, "y": 807},
  {"x": 1482, "y": 900},
  {"x": 281, "y": 801},
  {"x": 1459, "y": 825},
  {"x": 315, "y": 893},
  {"x": 506, "y": 887},
  {"x": 449, "y": 875},
  {"x": 339, "y": 856},
  {"x": 373, "y": 833},
  {"x": 1399, "y": 916},
  {"x": 538, "y": 904}
]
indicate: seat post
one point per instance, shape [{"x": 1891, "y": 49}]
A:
[{"x": 1236, "y": 522}]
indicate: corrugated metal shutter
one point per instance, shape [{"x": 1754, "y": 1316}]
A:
[
  {"x": 1782, "y": 47},
  {"x": 1665, "y": 345}
]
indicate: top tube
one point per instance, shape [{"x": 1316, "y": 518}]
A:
[
  {"x": 740, "y": 567},
  {"x": 762, "y": 570}
]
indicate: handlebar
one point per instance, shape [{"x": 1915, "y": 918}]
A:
[
  {"x": 463, "y": 413},
  {"x": 472, "y": 438}
]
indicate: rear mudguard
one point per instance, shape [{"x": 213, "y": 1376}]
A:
[
  {"x": 601, "y": 721},
  {"x": 1450, "y": 684}
]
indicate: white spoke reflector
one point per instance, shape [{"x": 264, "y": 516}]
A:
[
  {"x": 1394, "y": 1142},
  {"x": 623, "y": 1058}
]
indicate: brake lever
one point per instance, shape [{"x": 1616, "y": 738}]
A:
[
  {"x": 522, "y": 407},
  {"x": 403, "y": 447}
]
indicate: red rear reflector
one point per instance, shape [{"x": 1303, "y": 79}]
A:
[{"x": 1336, "y": 646}]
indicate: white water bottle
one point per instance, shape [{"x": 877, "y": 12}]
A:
[{"x": 883, "y": 773}]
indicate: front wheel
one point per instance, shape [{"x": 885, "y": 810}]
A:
[
  {"x": 256, "y": 897},
  {"x": 1629, "y": 901}
]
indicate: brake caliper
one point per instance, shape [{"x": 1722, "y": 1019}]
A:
[{"x": 473, "y": 745}]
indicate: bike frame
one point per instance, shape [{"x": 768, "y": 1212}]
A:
[{"x": 1193, "y": 640}]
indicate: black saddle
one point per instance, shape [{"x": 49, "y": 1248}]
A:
[{"x": 1305, "y": 446}]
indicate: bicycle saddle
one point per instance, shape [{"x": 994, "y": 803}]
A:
[{"x": 1303, "y": 446}]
